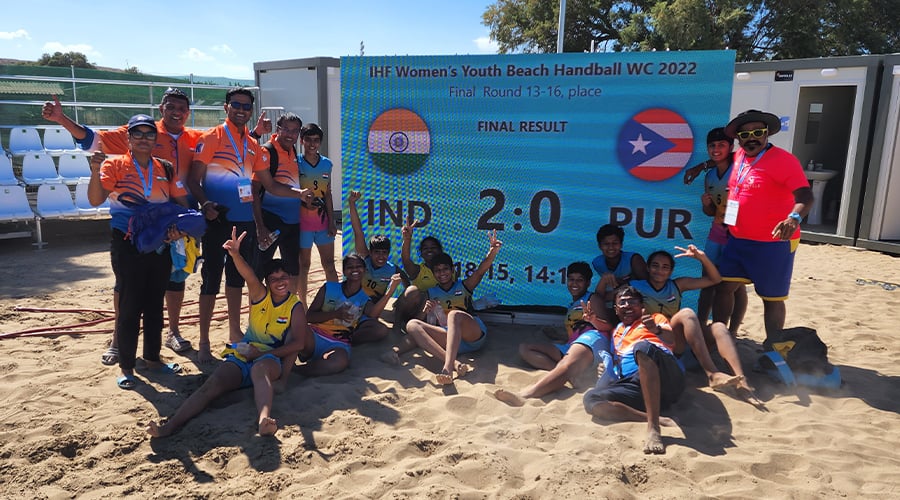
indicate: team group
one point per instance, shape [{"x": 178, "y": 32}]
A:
[{"x": 259, "y": 197}]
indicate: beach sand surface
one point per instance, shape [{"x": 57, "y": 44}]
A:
[{"x": 376, "y": 430}]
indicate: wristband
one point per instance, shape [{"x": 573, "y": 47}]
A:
[
  {"x": 254, "y": 135},
  {"x": 797, "y": 217}
]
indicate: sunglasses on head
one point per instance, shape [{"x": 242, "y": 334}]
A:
[
  {"x": 757, "y": 132},
  {"x": 239, "y": 105},
  {"x": 137, "y": 134}
]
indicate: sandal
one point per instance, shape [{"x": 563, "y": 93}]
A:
[
  {"x": 176, "y": 343},
  {"x": 110, "y": 357},
  {"x": 126, "y": 382}
]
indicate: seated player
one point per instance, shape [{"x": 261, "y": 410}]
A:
[
  {"x": 464, "y": 331},
  {"x": 566, "y": 362},
  {"x": 335, "y": 313},
  {"x": 649, "y": 378},
  {"x": 276, "y": 333},
  {"x": 379, "y": 269},
  {"x": 614, "y": 266},
  {"x": 662, "y": 295},
  {"x": 411, "y": 303}
]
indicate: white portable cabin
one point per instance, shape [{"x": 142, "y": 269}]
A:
[{"x": 311, "y": 89}]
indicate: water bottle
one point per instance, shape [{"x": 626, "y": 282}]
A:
[{"x": 272, "y": 237}]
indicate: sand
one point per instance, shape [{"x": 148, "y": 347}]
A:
[{"x": 377, "y": 431}]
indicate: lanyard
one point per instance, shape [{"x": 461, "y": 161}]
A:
[
  {"x": 148, "y": 187},
  {"x": 240, "y": 156},
  {"x": 746, "y": 167},
  {"x": 617, "y": 356}
]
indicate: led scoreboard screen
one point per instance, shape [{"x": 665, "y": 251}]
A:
[{"x": 542, "y": 148}]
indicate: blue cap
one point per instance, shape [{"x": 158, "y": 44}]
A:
[{"x": 138, "y": 120}]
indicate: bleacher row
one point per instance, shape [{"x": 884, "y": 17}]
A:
[{"x": 50, "y": 183}]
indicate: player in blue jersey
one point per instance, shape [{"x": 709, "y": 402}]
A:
[
  {"x": 662, "y": 295},
  {"x": 714, "y": 200},
  {"x": 379, "y": 269},
  {"x": 420, "y": 275},
  {"x": 614, "y": 266},
  {"x": 567, "y": 361},
  {"x": 334, "y": 316},
  {"x": 461, "y": 331}
]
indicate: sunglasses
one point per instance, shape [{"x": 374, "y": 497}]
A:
[
  {"x": 627, "y": 302},
  {"x": 239, "y": 105},
  {"x": 312, "y": 140},
  {"x": 137, "y": 134},
  {"x": 758, "y": 132},
  {"x": 288, "y": 131}
]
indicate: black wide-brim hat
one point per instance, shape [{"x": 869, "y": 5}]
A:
[{"x": 773, "y": 123}]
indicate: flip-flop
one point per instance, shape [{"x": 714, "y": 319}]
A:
[
  {"x": 110, "y": 357},
  {"x": 126, "y": 382}
]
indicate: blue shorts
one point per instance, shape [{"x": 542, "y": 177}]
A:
[
  {"x": 592, "y": 339},
  {"x": 627, "y": 390},
  {"x": 325, "y": 344},
  {"x": 476, "y": 345},
  {"x": 307, "y": 238},
  {"x": 246, "y": 366},
  {"x": 766, "y": 264}
]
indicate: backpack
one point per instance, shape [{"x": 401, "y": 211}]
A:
[
  {"x": 273, "y": 163},
  {"x": 800, "y": 357}
]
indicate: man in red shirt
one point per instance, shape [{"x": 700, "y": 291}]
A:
[{"x": 768, "y": 196}]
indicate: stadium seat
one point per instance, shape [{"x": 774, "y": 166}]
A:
[
  {"x": 84, "y": 206},
  {"x": 24, "y": 140},
  {"x": 55, "y": 201},
  {"x": 7, "y": 176},
  {"x": 58, "y": 141},
  {"x": 38, "y": 168},
  {"x": 74, "y": 167},
  {"x": 14, "y": 204}
]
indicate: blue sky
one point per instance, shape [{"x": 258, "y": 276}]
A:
[{"x": 225, "y": 38}]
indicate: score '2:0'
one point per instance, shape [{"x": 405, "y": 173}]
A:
[{"x": 534, "y": 210}]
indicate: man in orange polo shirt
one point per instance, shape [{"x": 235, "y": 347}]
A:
[{"x": 225, "y": 160}]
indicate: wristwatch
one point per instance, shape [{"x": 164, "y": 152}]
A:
[{"x": 797, "y": 217}]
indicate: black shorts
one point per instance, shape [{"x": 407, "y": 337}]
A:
[{"x": 627, "y": 390}]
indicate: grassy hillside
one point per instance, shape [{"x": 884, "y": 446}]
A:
[{"x": 38, "y": 92}]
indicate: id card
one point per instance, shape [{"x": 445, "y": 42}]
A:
[
  {"x": 731, "y": 213},
  {"x": 245, "y": 192}
]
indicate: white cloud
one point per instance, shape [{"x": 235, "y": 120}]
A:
[
  {"x": 485, "y": 44},
  {"x": 194, "y": 54},
  {"x": 84, "y": 48},
  {"x": 10, "y": 35},
  {"x": 224, "y": 49}
]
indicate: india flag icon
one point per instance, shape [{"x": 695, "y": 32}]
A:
[{"x": 399, "y": 141}]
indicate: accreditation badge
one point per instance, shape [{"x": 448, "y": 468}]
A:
[
  {"x": 731, "y": 213},
  {"x": 245, "y": 192}
]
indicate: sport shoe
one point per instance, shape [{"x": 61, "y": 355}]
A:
[{"x": 176, "y": 343}]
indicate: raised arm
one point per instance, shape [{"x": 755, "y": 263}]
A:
[
  {"x": 711, "y": 278},
  {"x": 472, "y": 281},
  {"x": 255, "y": 289},
  {"x": 359, "y": 238},
  {"x": 53, "y": 111},
  {"x": 412, "y": 269}
]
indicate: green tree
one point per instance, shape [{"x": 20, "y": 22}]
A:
[
  {"x": 755, "y": 29},
  {"x": 76, "y": 59}
]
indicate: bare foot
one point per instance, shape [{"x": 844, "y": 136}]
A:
[
  {"x": 719, "y": 381},
  {"x": 653, "y": 444},
  {"x": 204, "y": 356},
  {"x": 462, "y": 369},
  {"x": 444, "y": 378},
  {"x": 267, "y": 426},
  {"x": 391, "y": 357},
  {"x": 158, "y": 431},
  {"x": 508, "y": 397}
]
